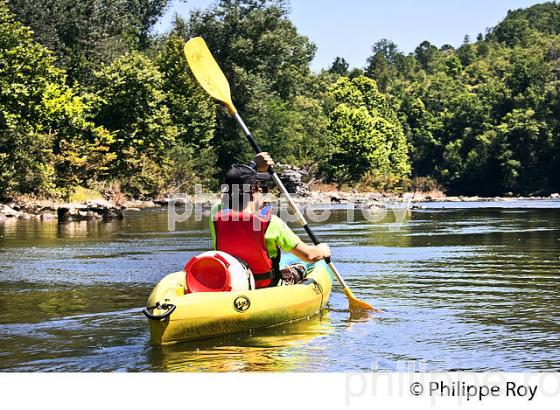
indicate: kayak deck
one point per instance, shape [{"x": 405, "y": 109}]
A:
[{"x": 208, "y": 314}]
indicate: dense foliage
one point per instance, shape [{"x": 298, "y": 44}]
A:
[
  {"x": 47, "y": 137},
  {"x": 266, "y": 62},
  {"x": 482, "y": 118},
  {"x": 90, "y": 97},
  {"x": 368, "y": 138},
  {"x": 86, "y": 33}
]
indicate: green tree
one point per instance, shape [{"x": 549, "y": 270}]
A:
[
  {"x": 193, "y": 113},
  {"x": 524, "y": 143},
  {"x": 339, "y": 66},
  {"x": 133, "y": 107},
  {"x": 516, "y": 28},
  {"x": 48, "y": 143},
  {"x": 262, "y": 55},
  {"x": 368, "y": 138},
  {"x": 145, "y": 14},
  {"x": 488, "y": 124},
  {"x": 83, "y": 34},
  {"x": 296, "y": 132},
  {"x": 467, "y": 52},
  {"x": 422, "y": 130},
  {"x": 385, "y": 63},
  {"x": 425, "y": 53}
]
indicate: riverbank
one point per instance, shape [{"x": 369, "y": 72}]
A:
[
  {"x": 49, "y": 210},
  {"x": 104, "y": 210},
  {"x": 414, "y": 197}
]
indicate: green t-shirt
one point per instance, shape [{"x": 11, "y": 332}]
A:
[{"x": 277, "y": 235}]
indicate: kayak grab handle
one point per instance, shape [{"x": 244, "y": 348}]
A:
[{"x": 169, "y": 306}]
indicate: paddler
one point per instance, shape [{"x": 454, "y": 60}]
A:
[{"x": 243, "y": 227}]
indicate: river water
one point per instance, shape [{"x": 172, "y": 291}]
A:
[{"x": 464, "y": 286}]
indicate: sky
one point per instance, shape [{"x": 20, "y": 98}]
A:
[{"x": 349, "y": 28}]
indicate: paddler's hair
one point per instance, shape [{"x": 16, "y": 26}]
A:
[
  {"x": 240, "y": 182},
  {"x": 238, "y": 197}
]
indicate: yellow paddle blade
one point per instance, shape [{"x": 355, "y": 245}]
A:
[
  {"x": 356, "y": 304},
  {"x": 207, "y": 71}
]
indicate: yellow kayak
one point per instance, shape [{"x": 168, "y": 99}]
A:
[{"x": 174, "y": 316}]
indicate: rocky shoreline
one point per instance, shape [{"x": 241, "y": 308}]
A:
[
  {"x": 103, "y": 210},
  {"x": 306, "y": 192},
  {"x": 48, "y": 211},
  {"x": 414, "y": 200}
]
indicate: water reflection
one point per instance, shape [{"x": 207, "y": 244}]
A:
[{"x": 273, "y": 349}]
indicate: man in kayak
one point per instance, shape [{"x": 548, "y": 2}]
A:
[{"x": 242, "y": 227}]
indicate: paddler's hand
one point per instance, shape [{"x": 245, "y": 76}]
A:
[
  {"x": 263, "y": 161},
  {"x": 324, "y": 249},
  {"x": 311, "y": 253}
]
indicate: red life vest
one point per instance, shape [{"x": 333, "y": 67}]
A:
[{"x": 241, "y": 234}]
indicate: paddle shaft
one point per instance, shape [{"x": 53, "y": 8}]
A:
[{"x": 278, "y": 182}]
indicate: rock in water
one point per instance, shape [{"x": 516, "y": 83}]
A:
[
  {"x": 9, "y": 211},
  {"x": 335, "y": 199},
  {"x": 88, "y": 212}
]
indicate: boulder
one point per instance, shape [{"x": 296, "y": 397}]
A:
[
  {"x": 99, "y": 203},
  {"x": 141, "y": 204},
  {"x": 293, "y": 180},
  {"x": 335, "y": 199},
  {"x": 90, "y": 211},
  {"x": 113, "y": 213},
  {"x": 159, "y": 202},
  {"x": 8, "y": 211},
  {"x": 68, "y": 213}
]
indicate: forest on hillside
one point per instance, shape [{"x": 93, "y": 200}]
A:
[{"x": 90, "y": 97}]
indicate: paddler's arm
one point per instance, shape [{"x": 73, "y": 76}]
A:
[
  {"x": 279, "y": 235},
  {"x": 311, "y": 253}
]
